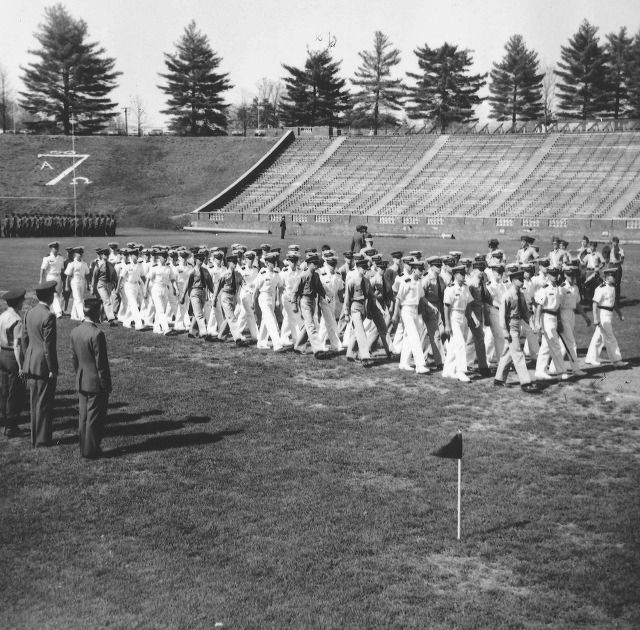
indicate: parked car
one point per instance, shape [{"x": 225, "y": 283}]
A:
[{"x": 259, "y": 132}]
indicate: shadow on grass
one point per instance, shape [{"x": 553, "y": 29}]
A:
[
  {"x": 113, "y": 427},
  {"x": 166, "y": 442},
  {"x": 112, "y": 418}
]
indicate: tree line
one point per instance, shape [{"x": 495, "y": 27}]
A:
[{"x": 69, "y": 82}]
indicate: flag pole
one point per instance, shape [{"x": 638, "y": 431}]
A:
[
  {"x": 459, "y": 479},
  {"x": 459, "y": 483}
]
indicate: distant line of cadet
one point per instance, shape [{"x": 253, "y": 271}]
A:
[
  {"x": 30, "y": 225},
  {"x": 440, "y": 313}
]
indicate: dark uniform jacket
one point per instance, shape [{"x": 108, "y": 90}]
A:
[
  {"x": 90, "y": 362},
  {"x": 39, "y": 342}
]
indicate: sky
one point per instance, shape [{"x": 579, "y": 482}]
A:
[{"x": 254, "y": 38}]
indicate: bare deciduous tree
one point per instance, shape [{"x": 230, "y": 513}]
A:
[{"x": 139, "y": 112}]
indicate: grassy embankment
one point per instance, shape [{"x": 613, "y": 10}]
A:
[{"x": 145, "y": 181}]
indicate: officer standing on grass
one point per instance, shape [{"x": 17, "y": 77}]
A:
[
  {"x": 11, "y": 388},
  {"x": 41, "y": 362},
  {"x": 93, "y": 378}
]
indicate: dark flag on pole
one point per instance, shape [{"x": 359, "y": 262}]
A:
[{"x": 451, "y": 450}]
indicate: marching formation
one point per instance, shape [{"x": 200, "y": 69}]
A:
[
  {"x": 449, "y": 314},
  {"x": 25, "y": 225}
]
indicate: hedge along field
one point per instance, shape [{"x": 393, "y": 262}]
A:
[
  {"x": 144, "y": 180},
  {"x": 251, "y": 489}
]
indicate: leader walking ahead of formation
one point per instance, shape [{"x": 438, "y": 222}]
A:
[{"x": 93, "y": 378}]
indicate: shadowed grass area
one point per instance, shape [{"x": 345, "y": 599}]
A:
[{"x": 263, "y": 490}]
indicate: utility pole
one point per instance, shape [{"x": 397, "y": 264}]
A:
[{"x": 126, "y": 123}]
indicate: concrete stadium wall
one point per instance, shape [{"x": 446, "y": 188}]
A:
[{"x": 425, "y": 227}]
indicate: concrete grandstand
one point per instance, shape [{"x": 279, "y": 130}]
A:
[{"x": 426, "y": 184}]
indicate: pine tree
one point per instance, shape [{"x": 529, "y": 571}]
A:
[
  {"x": 194, "y": 86},
  {"x": 315, "y": 94},
  {"x": 634, "y": 77},
  {"x": 618, "y": 50},
  {"x": 72, "y": 78},
  {"x": 444, "y": 92},
  {"x": 516, "y": 85},
  {"x": 583, "y": 75},
  {"x": 379, "y": 94}
]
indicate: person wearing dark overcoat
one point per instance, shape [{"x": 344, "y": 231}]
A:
[
  {"x": 41, "y": 362},
  {"x": 93, "y": 378}
]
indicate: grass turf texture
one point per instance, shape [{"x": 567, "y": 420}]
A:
[{"x": 263, "y": 490}]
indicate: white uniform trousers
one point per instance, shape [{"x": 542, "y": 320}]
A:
[
  {"x": 291, "y": 322},
  {"x": 455, "y": 362},
  {"x": 358, "y": 334},
  {"x": 216, "y": 322},
  {"x": 77, "y": 291},
  {"x": 148, "y": 312},
  {"x": 531, "y": 345},
  {"x": 159, "y": 298},
  {"x": 132, "y": 312},
  {"x": 56, "y": 307},
  {"x": 268, "y": 324},
  {"x": 246, "y": 316},
  {"x": 328, "y": 325},
  {"x": 603, "y": 337},
  {"x": 550, "y": 348},
  {"x": 512, "y": 352},
  {"x": 568, "y": 320},
  {"x": 171, "y": 312},
  {"x": 411, "y": 344}
]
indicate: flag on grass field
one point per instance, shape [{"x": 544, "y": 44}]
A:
[{"x": 451, "y": 450}]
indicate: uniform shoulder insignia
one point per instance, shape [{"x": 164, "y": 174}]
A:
[
  {"x": 407, "y": 279},
  {"x": 263, "y": 271}
]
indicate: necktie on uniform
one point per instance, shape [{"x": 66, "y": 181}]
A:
[
  {"x": 523, "y": 309},
  {"x": 233, "y": 281}
]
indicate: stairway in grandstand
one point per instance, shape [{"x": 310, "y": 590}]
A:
[{"x": 546, "y": 176}]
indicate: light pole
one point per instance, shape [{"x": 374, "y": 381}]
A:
[
  {"x": 258, "y": 107},
  {"x": 74, "y": 183},
  {"x": 126, "y": 123}
]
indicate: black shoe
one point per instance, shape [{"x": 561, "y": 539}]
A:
[
  {"x": 485, "y": 371},
  {"x": 497, "y": 383},
  {"x": 531, "y": 388},
  {"x": 191, "y": 336},
  {"x": 113, "y": 323},
  {"x": 241, "y": 343},
  {"x": 367, "y": 363},
  {"x": 319, "y": 354}
]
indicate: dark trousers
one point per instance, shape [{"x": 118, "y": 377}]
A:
[
  {"x": 43, "y": 391},
  {"x": 93, "y": 413},
  {"x": 12, "y": 394}
]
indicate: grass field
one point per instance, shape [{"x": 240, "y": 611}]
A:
[{"x": 256, "y": 490}]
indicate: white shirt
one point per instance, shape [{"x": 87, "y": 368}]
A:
[
  {"x": 605, "y": 295},
  {"x": 458, "y": 297},
  {"x": 77, "y": 270},
  {"x": 53, "y": 265}
]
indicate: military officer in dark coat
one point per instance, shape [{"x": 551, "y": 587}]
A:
[
  {"x": 93, "y": 378},
  {"x": 41, "y": 362}
]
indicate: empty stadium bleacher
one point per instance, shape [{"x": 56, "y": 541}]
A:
[{"x": 551, "y": 178}]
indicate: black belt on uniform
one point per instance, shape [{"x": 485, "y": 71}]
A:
[
  {"x": 548, "y": 312},
  {"x": 9, "y": 348},
  {"x": 606, "y": 308}
]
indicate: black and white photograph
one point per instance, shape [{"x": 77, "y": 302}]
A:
[{"x": 319, "y": 314}]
